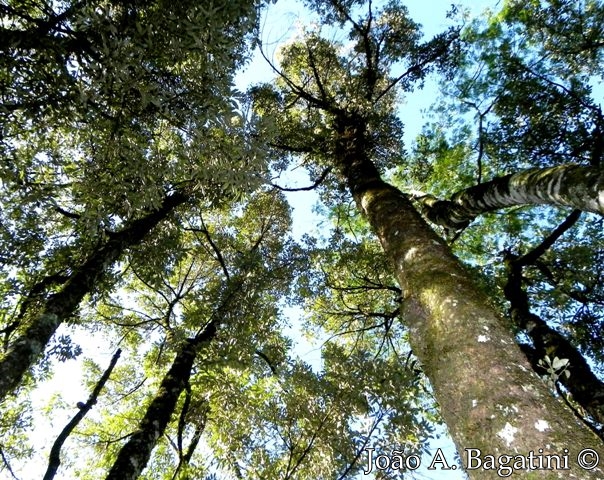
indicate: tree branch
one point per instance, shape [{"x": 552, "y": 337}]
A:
[
  {"x": 303, "y": 189},
  {"x": 268, "y": 361},
  {"x": 578, "y": 186},
  {"x": 531, "y": 257},
  {"x": 54, "y": 460}
]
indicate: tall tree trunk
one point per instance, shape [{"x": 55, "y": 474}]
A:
[
  {"x": 489, "y": 397},
  {"x": 581, "y": 187},
  {"x": 26, "y": 349},
  {"x": 134, "y": 455}
]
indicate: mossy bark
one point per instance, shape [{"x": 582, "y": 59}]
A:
[
  {"x": 488, "y": 395},
  {"x": 26, "y": 349},
  {"x": 577, "y": 186},
  {"x": 135, "y": 453}
]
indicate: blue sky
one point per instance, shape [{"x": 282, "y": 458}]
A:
[{"x": 281, "y": 22}]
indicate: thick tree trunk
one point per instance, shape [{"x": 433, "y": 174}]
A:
[
  {"x": 134, "y": 455},
  {"x": 580, "y": 187},
  {"x": 488, "y": 395},
  {"x": 26, "y": 349}
]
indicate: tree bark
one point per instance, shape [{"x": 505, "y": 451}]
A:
[
  {"x": 489, "y": 397},
  {"x": 577, "y": 186},
  {"x": 54, "y": 459},
  {"x": 26, "y": 349},
  {"x": 134, "y": 455},
  {"x": 586, "y": 389}
]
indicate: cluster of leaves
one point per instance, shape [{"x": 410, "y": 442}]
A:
[{"x": 106, "y": 109}]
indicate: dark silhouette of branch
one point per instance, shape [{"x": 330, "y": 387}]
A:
[
  {"x": 585, "y": 387},
  {"x": 312, "y": 100},
  {"x": 215, "y": 248},
  {"x": 59, "y": 306},
  {"x": 7, "y": 465},
  {"x": 54, "y": 460},
  {"x": 418, "y": 67},
  {"x": 267, "y": 360},
  {"x": 68, "y": 214},
  {"x": 184, "y": 459},
  {"x": 304, "y": 189},
  {"x": 293, "y": 467},
  {"x": 531, "y": 257},
  {"x": 360, "y": 450}
]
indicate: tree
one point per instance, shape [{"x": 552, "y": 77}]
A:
[
  {"x": 551, "y": 119},
  {"x": 343, "y": 105},
  {"x": 134, "y": 454},
  {"x": 164, "y": 237},
  {"x": 102, "y": 150}
]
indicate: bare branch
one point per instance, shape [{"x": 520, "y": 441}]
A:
[
  {"x": 54, "y": 460},
  {"x": 303, "y": 189},
  {"x": 532, "y": 256},
  {"x": 215, "y": 248}
]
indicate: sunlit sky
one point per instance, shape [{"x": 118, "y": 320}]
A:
[{"x": 282, "y": 20}]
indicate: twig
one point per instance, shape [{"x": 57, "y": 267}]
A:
[{"x": 303, "y": 189}]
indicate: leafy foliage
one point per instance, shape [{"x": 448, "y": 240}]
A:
[{"x": 108, "y": 108}]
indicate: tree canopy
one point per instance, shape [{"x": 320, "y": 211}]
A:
[{"x": 454, "y": 285}]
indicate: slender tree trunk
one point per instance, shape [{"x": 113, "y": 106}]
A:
[
  {"x": 586, "y": 389},
  {"x": 581, "y": 187},
  {"x": 134, "y": 455},
  {"x": 26, "y": 349},
  {"x": 54, "y": 459},
  {"x": 489, "y": 396}
]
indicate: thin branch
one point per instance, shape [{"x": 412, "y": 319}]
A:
[
  {"x": 267, "y": 360},
  {"x": 589, "y": 424},
  {"x": 315, "y": 72},
  {"x": 417, "y": 67},
  {"x": 68, "y": 214},
  {"x": 182, "y": 419},
  {"x": 215, "y": 248},
  {"x": 307, "y": 449},
  {"x": 291, "y": 149},
  {"x": 360, "y": 451},
  {"x": 54, "y": 459},
  {"x": 186, "y": 458},
  {"x": 304, "y": 189},
  {"x": 532, "y": 256},
  {"x": 130, "y": 392},
  {"x": 297, "y": 89},
  {"x": 7, "y": 465}
]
